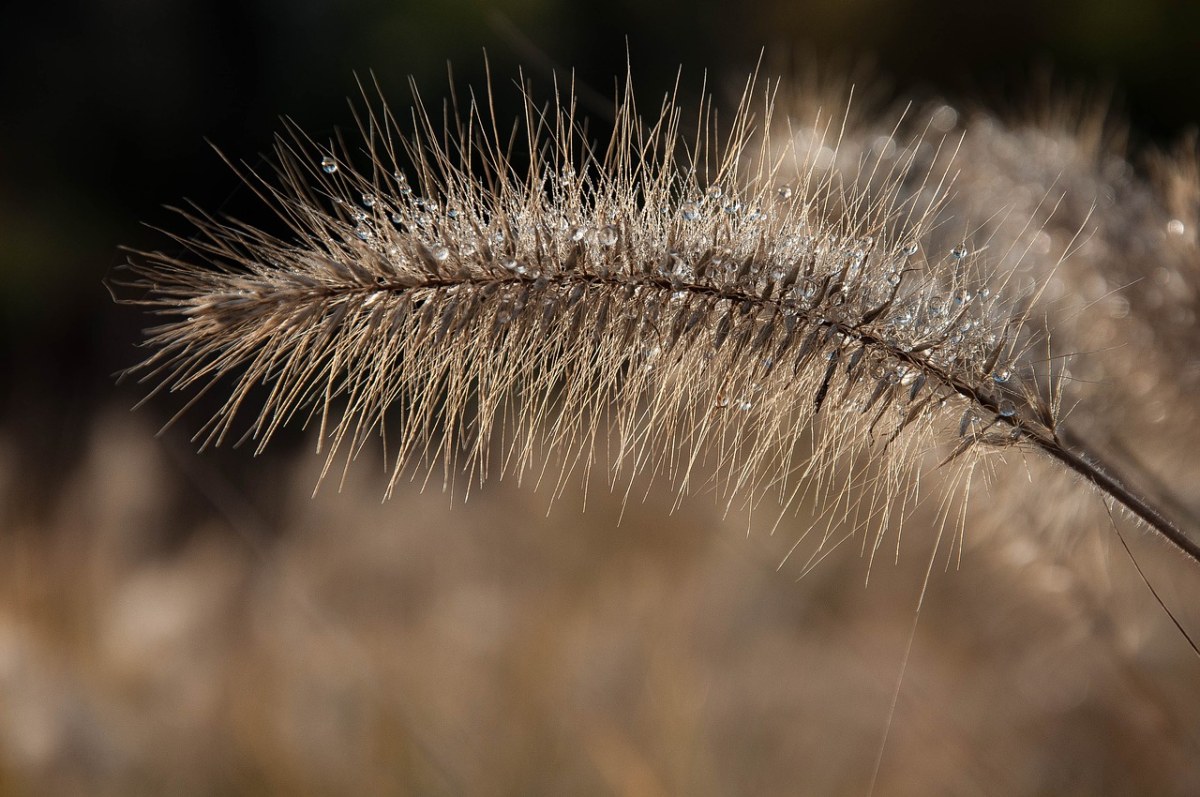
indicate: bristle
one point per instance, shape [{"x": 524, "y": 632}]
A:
[{"x": 496, "y": 317}]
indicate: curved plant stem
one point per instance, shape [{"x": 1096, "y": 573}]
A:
[{"x": 1103, "y": 476}]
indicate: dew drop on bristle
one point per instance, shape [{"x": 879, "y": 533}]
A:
[
  {"x": 785, "y": 193},
  {"x": 910, "y": 250},
  {"x": 368, "y": 200},
  {"x": 607, "y": 236},
  {"x": 959, "y": 252},
  {"x": 969, "y": 419},
  {"x": 1006, "y": 408},
  {"x": 715, "y": 192},
  {"x": 440, "y": 253},
  {"x": 689, "y": 211},
  {"x": 328, "y": 165}
]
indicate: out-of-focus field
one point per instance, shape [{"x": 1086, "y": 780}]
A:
[{"x": 170, "y": 626}]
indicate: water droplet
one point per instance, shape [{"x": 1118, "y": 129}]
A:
[
  {"x": 440, "y": 252},
  {"x": 578, "y": 233},
  {"x": 607, "y": 236},
  {"x": 363, "y": 233},
  {"x": 401, "y": 177},
  {"x": 785, "y": 192},
  {"x": 715, "y": 192},
  {"x": 745, "y": 405},
  {"x": 1002, "y": 375},
  {"x": 453, "y": 213},
  {"x": 1175, "y": 227},
  {"x": 721, "y": 401},
  {"x": 911, "y": 249},
  {"x": 568, "y": 172},
  {"x": 960, "y": 251},
  {"x": 893, "y": 278},
  {"x": 733, "y": 207},
  {"x": 1006, "y": 408},
  {"x": 397, "y": 218},
  {"x": 689, "y": 211},
  {"x": 368, "y": 200},
  {"x": 963, "y": 296},
  {"x": 985, "y": 292},
  {"x": 969, "y": 419},
  {"x": 755, "y": 215}
]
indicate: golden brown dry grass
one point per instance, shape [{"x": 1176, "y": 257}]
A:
[
  {"x": 162, "y": 634},
  {"x": 170, "y": 628}
]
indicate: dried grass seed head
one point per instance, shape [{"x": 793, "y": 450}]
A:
[{"x": 697, "y": 308}]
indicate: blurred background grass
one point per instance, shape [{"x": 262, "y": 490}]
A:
[{"x": 180, "y": 624}]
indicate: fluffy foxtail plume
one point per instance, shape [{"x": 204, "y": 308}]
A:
[{"x": 715, "y": 309}]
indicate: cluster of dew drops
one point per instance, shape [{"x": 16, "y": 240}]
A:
[
  {"x": 442, "y": 230},
  {"x": 954, "y": 314},
  {"x": 957, "y": 317}
]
